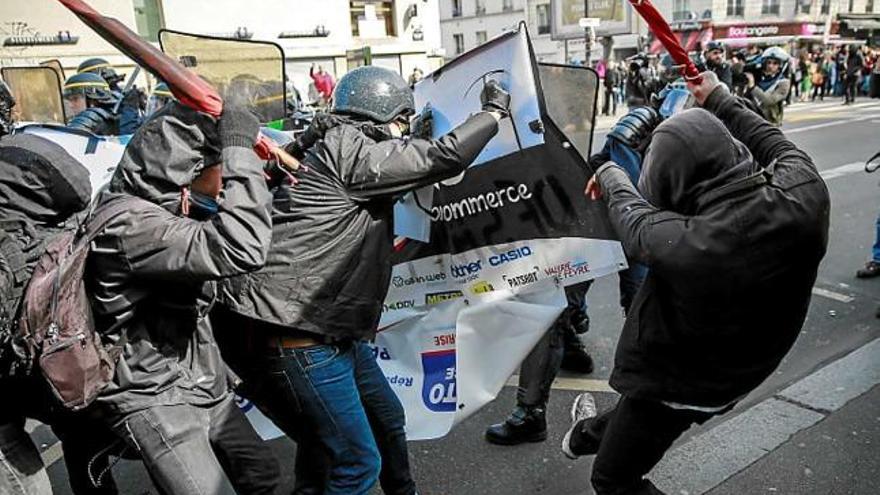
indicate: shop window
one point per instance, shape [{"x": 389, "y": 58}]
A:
[
  {"x": 148, "y": 18},
  {"x": 736, "y": 8},
  {"x": 377, "y": 16},
  {"x": 770, "y": 7},
  {"x": 542, "y": 13},
  {"x": 507, "y": 5},
  {"x": 458, "y": 38},
  {"x": 681, "y": 10},
  {"x": 480, "y": 37},
  {"x": 456, "y": 8}
]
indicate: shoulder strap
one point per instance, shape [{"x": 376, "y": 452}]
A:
[{"x": 100, "y": 214}]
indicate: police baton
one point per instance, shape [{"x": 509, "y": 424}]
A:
[{"x": 128, "y": 85}]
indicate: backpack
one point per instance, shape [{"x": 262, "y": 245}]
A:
[
  {"x": 56, "y": 328},
  {"x": 13, "y": 275}
]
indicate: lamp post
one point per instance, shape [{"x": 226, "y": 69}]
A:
[{"x": 588, "y": 24}]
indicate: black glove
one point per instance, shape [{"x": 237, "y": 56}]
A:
[
  {"x": 635, "y": 127},
  {"x": 238, "y": 127},
  {"x": 495, "y": 98},
  {"x": 320, "y": 124},
  {"x": 423, "y": 124}
]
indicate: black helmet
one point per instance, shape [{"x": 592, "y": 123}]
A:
[
  {"x": 7, "y": 102},
  {"x": 373, "y": 92},
  {"x": 160, "y": 96},
  {"x": 100, "y": 67},
  {"x": 714, "y": 45},
  {"x": 91, "y": 85}
]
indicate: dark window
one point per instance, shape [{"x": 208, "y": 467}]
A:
[
  {"x": 802, "y": 6},
  {"x": 384, "y": 13},
  {"x": 770, "y": 7},
  {"x": 681, "y": 10},
  {"x": 456, "y": 8},
  {"x": 542, "y": 12},
  {"x": 480, "y": 37},
  {"x": 507, "y": 5},
  {"x": 825, "y": 8},
  {"x": 480, "y": 7},
  {"x": 735, "y": 8},
  {"x": 459, "y": 43}
]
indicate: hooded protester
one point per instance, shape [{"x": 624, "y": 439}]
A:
[
  {"x": 740, "y": 200},
  {"x": 151, "y": 275},
  {"x": 771, "y": 89},
  {"x": 320, "y": 294}
]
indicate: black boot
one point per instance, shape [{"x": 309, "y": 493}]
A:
[
  {"x": 575, "y": 357},
  {"x": 525, "y": 424}
]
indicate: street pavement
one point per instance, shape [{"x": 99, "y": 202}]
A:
[{"x": 811, "y": 428}]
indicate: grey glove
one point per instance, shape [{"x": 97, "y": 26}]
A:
[
  {"x": 495, "y": 98},
  {"x": 633, "y": 128},
  {"x": 238, "y": 127},
  {"x": 423, "y": 124}
]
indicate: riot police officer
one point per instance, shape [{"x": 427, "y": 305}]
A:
[
  {"x": 160, "y": 97},
  {"x": 89, "y": 104},
  {"x": 131, "y": 110}
]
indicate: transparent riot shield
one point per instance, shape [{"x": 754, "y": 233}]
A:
[
  {"x": 37, "y": 92},
  {"x": 570, "y": 97},
  {"x": 243, "y": 71},
  {"x": 56, "y": 65}
]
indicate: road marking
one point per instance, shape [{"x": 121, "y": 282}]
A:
[
  {"x": 843, "y": 170},
  {"x": 829, "y": 124},
  {"x": 573, "y": 384},
  {"x": 708, "y": 459},
  {"x": 846, "y": 107},
  {"x": 836, "y": 296}
]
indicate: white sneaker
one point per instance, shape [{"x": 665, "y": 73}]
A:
[{"x": 583, "y": 407}]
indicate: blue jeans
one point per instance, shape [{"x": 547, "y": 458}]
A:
[
  {"x": 335, "y": 402},
  {"x": 875, "y": 251}
]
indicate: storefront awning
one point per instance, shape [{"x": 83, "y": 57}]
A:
[
  {"x": 865, "y": 24},
  {"x": 689, "y": 40}
]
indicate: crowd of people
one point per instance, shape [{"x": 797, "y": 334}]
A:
[
  {"x": 846, "y": 71},
  {"x": 209, "y": 270}
]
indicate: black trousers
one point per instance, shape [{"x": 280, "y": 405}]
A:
[
  {"x": 850, "y": 87},
  {"x": 630, "y": 440}
]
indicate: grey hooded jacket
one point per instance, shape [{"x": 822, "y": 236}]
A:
[
  {"x": 151, "y": 271},
  {"x": 732, "y": 226},
  {"x": 330, "y": 262}
]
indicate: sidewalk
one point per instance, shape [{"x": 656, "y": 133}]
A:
[
  {"x": 839, "y": 455},
  {"x": 820, "y": 435}
]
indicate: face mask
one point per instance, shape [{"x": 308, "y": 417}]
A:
[{"x": 202, "y": 207}]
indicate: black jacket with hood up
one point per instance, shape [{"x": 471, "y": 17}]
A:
[
  {"x": 330, "y": 262},
  {"x": 733, "y": 225},
  {"x": 151, "y": 271}
]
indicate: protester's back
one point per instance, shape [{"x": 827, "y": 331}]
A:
[{"x": 732, "y": 257}]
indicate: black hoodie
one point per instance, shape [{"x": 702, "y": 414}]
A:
[{"x": 733, "y": 226}]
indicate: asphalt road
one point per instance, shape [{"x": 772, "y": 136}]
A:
[{"x": 841, "y": 319}]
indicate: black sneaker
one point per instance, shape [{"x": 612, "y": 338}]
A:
[
  {"x": 871, "y": 270},
  {"x": 577, "y": 360},
  {"x": 582, "y": 409},
  {"x": 523, "y": 425}
]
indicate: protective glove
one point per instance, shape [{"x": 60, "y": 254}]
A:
[
  {"x": 635, "y": 127},
  {"x": 238, "y": 127},
  {"x": 320, "y": 124},
  {"x": 423, "y": 124},
  {"x": 495, "y": 98}
]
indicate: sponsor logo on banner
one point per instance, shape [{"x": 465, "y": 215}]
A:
[
  {"x": 482, "y": 287},
  {"x": 466, "y": 270},
  {"x": 512, "y": 255},
  {"x": 479, "y": 203},
  {"x": 398, "y": 305},
  {"x": 568, "y": 269},
  {"x": 400, "y": 281},
  {"x": 522, "y": 279},
  {"x": 439, "y": 297},
  {"x": 438, "y": 388}
]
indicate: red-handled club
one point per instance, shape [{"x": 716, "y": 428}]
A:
[{"x": 658, "y": 25}]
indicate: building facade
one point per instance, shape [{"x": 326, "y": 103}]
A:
[{"x": 401, "y": 34}]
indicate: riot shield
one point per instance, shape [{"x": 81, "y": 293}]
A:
[
  {"x": 570, "y": 97},
  {"x": 56, "y": 65},
  {"x": 243, "y": 71},
  {"x": 37, "y": 92}
]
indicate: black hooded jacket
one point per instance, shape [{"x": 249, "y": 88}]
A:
[
  {"x": 151, "y": 271},
  {"x": 41, "y": 188},
  {"x": 330, "y": 262},
  {"x": 733, "y": 225}
]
